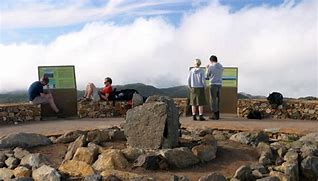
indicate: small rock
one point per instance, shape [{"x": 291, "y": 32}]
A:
[
  {"x": 70, "y": 136},
  {"x": 12, "y": 162},
  {"x": 76, "y": 168},
  {"x": 132, "y": 153},
  {"x": 178, "y": 178},
  {"x": 244, "y": 173},
  {"x": 270, "y": 178},
  {"x": 93, "y": 177},
  {"x": 309, "y": 167},
  {"x": 180, "y": 157},
  {"x": 151, "y": 162},
  {"x": 110, "y": 159},
  {"x": 86, "y": 155},
  {"x": 79, "y": 142},
  {"x": 46, "y": 173},
  {"x": 21, "y": 172},
  {"x": 291, "y": 157},
  {"x": 212, "y": 177},
  {"x": 34, "y": 160},
  {"x": 20, "y": 153},
  {"x": 6, "y": 174},
  {"x": 205, "y": 153}
]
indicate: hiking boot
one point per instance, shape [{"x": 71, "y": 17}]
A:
[
  {"x": 213, "y": 117},
  {"x": 201, "y": 118},
  {"x": 217, "y": 115},
  {"x": 194, "y": 118}
]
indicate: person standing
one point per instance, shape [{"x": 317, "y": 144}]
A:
[
  {"x": 214, "y": 74},
  {"x": 37, "y": 95},
  {"x": 196, "y": 82}
]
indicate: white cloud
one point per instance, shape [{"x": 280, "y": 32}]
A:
[
  {"x": 275, "y": 49},
  {"x": 34, "y": 14}
]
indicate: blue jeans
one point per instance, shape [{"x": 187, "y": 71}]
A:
[{"x": 215, "y": 91}]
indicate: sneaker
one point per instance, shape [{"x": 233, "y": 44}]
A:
[
  {"x": 60, "y": 113},
  {"x": 194, "y": 117},
  {"x": 201, "y": 118}
]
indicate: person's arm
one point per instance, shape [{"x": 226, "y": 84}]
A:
[
  {"x": 208, "y": 73},
  {"x": 189, "y": 80}
]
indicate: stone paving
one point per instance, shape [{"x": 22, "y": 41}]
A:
[{"x": 227, "y": 122}]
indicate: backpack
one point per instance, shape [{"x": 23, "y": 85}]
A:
[
  {"x": 122, "y": 95},
  {"x": 275, "y": 98}
]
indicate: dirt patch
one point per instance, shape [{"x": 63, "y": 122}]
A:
[{"x": 230, "y": 156}]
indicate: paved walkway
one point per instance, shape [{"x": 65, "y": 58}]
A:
[{"x": 228, "y": 122}]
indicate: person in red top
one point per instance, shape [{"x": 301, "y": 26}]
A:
[{"x": 103, "y": 94}]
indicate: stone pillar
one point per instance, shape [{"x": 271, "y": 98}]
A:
[{"x": 153, "y": 125}]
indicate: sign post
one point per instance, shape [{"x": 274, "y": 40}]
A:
[{"x": 62, "y": 85}]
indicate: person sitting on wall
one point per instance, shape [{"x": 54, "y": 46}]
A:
[
  {"x": 92, "y": 93},
  {"x": 37, "y": 95}
]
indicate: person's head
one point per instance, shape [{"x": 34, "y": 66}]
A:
[
  {"x": 108, "y": 81},
  {"x": 197, "y": 62},
  {"x": 44, "y": 80},
  {"x": 213, "y": 58}
]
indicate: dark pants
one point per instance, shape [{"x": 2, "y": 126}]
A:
[{"x": 215, "y": 91}]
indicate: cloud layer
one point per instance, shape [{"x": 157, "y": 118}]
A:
[{"x": 275, "y": 49}]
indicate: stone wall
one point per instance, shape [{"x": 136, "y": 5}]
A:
[
  {"x": 292, "y": 109},
  {"x": 16, "y": 113},
  {"x": 102, "y": 109}
]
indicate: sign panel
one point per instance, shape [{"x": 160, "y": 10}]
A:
[
  {"x": 229, "y": 78},
  {"x": 62, "y": 85},
  {"x": 60, "y": 77}
]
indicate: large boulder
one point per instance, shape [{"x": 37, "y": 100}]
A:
[
  {"x": 180, "y": 157},
  {"x": 24, "y": 140},
  {"x": 46, "y": 173},
  {"x": 156, "y": 123}
]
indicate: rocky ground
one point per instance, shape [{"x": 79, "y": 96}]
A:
[{"x": 239, "y": 156}]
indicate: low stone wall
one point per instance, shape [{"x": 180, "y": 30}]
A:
[
  {"x": 16, "y": 113},
  {"x": 102, "y": 109},
  {"x": 292, "y": 109}
]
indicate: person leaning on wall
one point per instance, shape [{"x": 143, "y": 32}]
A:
[{"x": 196, "y": 82}]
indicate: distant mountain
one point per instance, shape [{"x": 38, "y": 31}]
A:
[
  {"x": 243, "y": 95},
  {"x": 145, "y": 90}
]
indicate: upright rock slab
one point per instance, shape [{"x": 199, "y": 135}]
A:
[{"x": 154, "y": 124}]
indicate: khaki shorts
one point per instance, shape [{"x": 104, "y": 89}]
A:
[
  {"x": 197, "y": 97},
  {"x": 39, "y": 100}
]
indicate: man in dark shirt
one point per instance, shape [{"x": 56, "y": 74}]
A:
[{"x": 37, "y": 96}]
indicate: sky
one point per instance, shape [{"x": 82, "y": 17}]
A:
[{"x": 272, "y": 42}]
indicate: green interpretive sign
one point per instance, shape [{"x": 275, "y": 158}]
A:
[
  {"x": 229, "y": 78},
  {"x": 60, "y": 77}
]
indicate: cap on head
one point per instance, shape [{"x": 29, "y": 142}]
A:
[
  {"x": 213, "y": 58},
  {"x": 197, "y": 62},
  {"x": 45, "y": 79}
]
